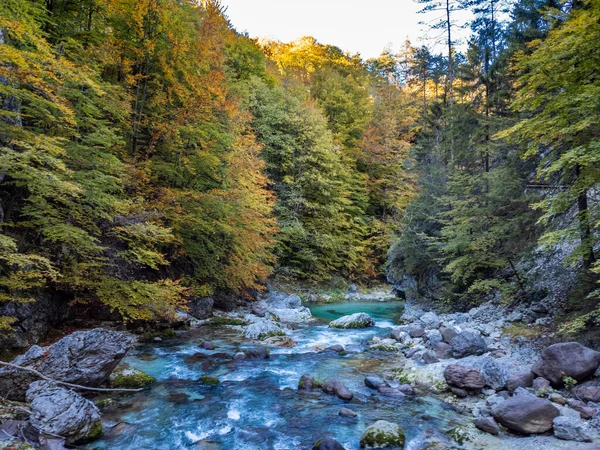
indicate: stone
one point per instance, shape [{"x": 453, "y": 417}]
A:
[
  {"x": 262, "y": 329},
  {"x": 347, "y": 412},
  {"x": 201, "y": 307},
  {"x": 259, "y": 309},
  {"x": 571, "y": 429},
  {"x": 257, "y": 353},
  {"x": 521, "y": 379},
  {"x": 382, "y": 434},
  {"x": 62, "y": 412},
  {"x": 280, "y": 341},
  {"x": 125, "y": 376},
  {"x": 400, "y": 335},
  {"x": 207, "y": 345},
  {"x": 585, "y": 411},
  {"x": 357, "y": 320},
  {"x": 335, "y": 387},
  {"x": 443, "y": 350},
  {"x": 312, "y": 298},
  {"x": 429, "y": 357},
  {"x": 526, "y": 414},
  {"x": 335, "y": 348},
  {"x": 416, "y": 333},
  {"x": 463, "y": 377},
  {"x": 459, "y": 392},
  {"x": 375, "y": 382},
  {"x": 588, "y": 391},
  {"x": 239, "y": 356},
  {"x": 494, "y": 400},
  {"x": 430, "y": 320},
  {"x": 557, "y": 398},
  {"x": 448, "y": 333},
  {"x": 585, "y": 447},
  {"x": 468, "y": 343},
  {"x": 540, "y": 385},
  {"x": 487, "y": 424},
  {"x": 433, "y": 337},
  {"x": 495, "y": 372},
  {"x": 352, "y": 289},
  {"x": 308, "y": 383},
  {"x": 85, "y": 357},
  {"x": 292, "y": 315},
  {"x": 568, "y": 359},
  {"x": 281, "y": 300},
  {"x": 387, "y": 391},
  {"x": 406, "y": 389},
  {"x": 327, "y": 443}
]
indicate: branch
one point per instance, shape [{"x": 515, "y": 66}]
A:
[{"x": 71, "y": 385}]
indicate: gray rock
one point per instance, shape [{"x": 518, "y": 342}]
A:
[
  {"x": 406, "y": 389},
  {"x": 262, "y": 329},
  {"x": 257, "y": 353},
  {"x": 327, "y": 443},
  {"x": 312, "y": 298},
  {"x": 459, "y": 392},
  {"x": 387, "y": 391},
  {"x": 557, "y": 398},
  {"x": 521, "y": 379},
  {"x": 448, "y": 333},
  {"x": 400, "y": 335},
  {"x": 434, "y": 337},
  {"x": 352, "y": 289},
  {"x": 443, "y": 350},
  {"x": 585, "y": 447},
  {"x": 201, "y": 307},
  {"x": 430, "y": 320},
  {"x": 468, "y": 343},
  {"x": 374, "y": 382},
  {"x": 335, "y": 387},
  {"x": 259, "y": 309},
  {"x": 347, "y": 412},
  {"x": 495, "y": 372},
  {"x": 281, "y": 300},
  {"x": 585, "y": 411},
  {"x": 570, "y": 429},
  {"x": 526, "y": 414},
  {"x": 568, "y": 359},
  {"x": 416, "y": 333},
  {"x": 382, "y": 434},
  {"x": 429, "y": 357},
  {"x": 59, "y": 411},
  {"x": 540, "y": 385},
  {"x": 588, "y": 391},
  {"x": 487, "y": 424},
  {"x": 335, "y": 348},
  {"x": 308, "y": 383},
  {"x": 463, "y": 377},
  {"x": 357, "y": 320},
  {"x": 84, "y": 357},
  {"x": 494, "y": 400}
]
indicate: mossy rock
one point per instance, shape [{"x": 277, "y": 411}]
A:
[
  {"x": 223, "y": 320},
  {"x": 270, "y": 334},
  {"x": 385, "y": 348},
  {"x": 130, "y": 378},
  {"x": 149, "y": 336},
  {"x": 461, "y": 434},
  {"x": 383, "y": 434},
  {"x": 95, "y": 431},
  {"x": 208, "y": 380}
]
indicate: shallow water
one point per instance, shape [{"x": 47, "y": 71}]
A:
[{"x": 256, "y": 406}]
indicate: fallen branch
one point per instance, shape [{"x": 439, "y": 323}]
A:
[{"x": 64, "y": 383}]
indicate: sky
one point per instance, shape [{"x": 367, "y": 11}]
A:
[{"x": 356, "y": 26}]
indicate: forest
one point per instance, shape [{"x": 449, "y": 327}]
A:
[{"x": 150, "y": 153}]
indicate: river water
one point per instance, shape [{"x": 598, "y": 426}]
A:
[{"x": 256, "y": 405}]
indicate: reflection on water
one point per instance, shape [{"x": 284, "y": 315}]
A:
[{"x": 256, "y": 406}]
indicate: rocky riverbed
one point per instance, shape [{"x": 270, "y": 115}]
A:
[{"x": 283, "y": 373}]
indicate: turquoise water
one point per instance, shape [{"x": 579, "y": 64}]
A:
[{"x": 257, "y": 406}]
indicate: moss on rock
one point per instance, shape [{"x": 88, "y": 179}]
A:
[
  {"x": 382, "y": 434},
  {"x": 130, "y": 378},
  {"x": 208, "y": 380}
]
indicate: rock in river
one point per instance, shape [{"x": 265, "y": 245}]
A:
[
  {"x": 327, "y": 444},
  {"x": 84, "y": 357},
  {"x": 568, "y": 359},
  {"x": 62, "y": 412},
  {"x": 382, "y": 434},
  {"x": 336, "y": 387},
  {"x": 357, "y": 320},
  {"x": 525, "y": 413}
]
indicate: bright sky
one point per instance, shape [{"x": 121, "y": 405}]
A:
[{"x": 357, "y": 26}]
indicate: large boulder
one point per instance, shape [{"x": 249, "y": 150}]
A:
[
  {"x": 464, "y": 377},
  {"x": 382, "y": 434},
  {"x": 468, "y": 343},
  {"x": 430, "y": 320},
  {"x": 201, "y": 307},
  {"x": 295, "y": 315},
  {"x": 494, "y": 371},
  {"x": 85, "y": 357},
  {"x": 62, "y": 412},
  {"x": 521, "y": 379},
  {"x": 357, "y": 320},
  {"x": 526, "y": 414},
  {"x": 568, "y": 359},
  {"x": 335, "y": 387},
  {"x": 571, "y": 429}
]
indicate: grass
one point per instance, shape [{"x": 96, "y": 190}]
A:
[{"x": 522, "y": 329}]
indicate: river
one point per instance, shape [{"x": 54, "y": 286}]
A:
[{"x": 256, "y": 405}]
